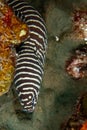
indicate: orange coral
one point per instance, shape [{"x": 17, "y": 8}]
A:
[
  {"x": 7, "y": 67},
  {"x": 84, "y": 126},
  {"x": 12, "y": 31}
]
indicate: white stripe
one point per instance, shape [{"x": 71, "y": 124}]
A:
[
  {"x": 35, "y": 20},
  {"x": 28, "y": 73},
  {"x": 12, "y": 2},
  {"x": 37, "y": 27},
  {"x": 28, "y": 65},
  {"x": 22, "y": 56},
  {"x": 36, "y": 42},
  {"x": 18, "y": 4},
  {"x": 29, "y": 54},
  {"x": 29, "y": 103},
  {"x": 28, "y": 68},
  {"x": 40, "y": 78},
  {"x": 36, "y": 15},
  {"x": 27, "y": 58},
  {"x": 32, "y": 14},
  {"x": 35, "y": 33},
  {"x": 29, "y": 42},
  {"x": 22, "y": 103},
  {"x": 23, "y": 84},
  {"x": 29, "y": 92},
  {"x": 25, "y": 46},
  {"x": 24, "y": 100},
  {"x": 27, "y": 78},
  {"x": 31, "y": 89},
  {"x": 24, "y": 67},
  {"x": 28, "y": 50},
  {"x": 29, "y": 106},
  {"x": 31, "y": 11}
]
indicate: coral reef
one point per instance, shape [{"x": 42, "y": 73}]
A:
[
  {"x": 78, "y": 120},
  {"x": 76, "y": 66},
  {"x": 80, "y": 22},
  {"x": 12, "y": 32}
]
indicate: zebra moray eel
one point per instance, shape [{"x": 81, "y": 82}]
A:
[{"x": 31, "y": 55}]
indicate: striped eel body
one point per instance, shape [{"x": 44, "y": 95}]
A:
[{"x": 31, "y": 56}]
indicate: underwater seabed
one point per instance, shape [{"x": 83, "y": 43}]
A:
[{"x": 59, "y": 92}]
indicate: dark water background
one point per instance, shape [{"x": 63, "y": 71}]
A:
[{"x": 59, "y": 91}]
